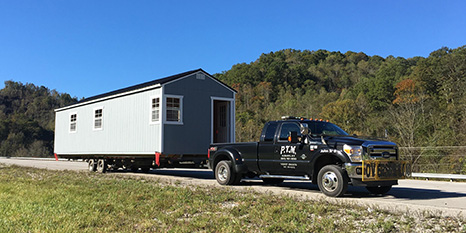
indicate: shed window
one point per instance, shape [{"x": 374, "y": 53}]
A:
[
  {"x": 73, "y": 121},
  {"x": 98, "y": 117},
  {"x": 173, "y": 109},
  {"x": 155, "y": 115}
]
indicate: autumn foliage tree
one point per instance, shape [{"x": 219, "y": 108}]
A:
[{"x": 407, "y": 115}]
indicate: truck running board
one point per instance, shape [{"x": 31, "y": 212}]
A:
[{"x": 286, "y": 177}]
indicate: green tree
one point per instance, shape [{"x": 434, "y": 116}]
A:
[{"x": 27, "y": 118}]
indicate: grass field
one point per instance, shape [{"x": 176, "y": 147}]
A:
[{"x": 35, "y": 200}]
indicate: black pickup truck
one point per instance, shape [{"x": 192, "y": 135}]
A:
[{"x": 316, "y": 150}]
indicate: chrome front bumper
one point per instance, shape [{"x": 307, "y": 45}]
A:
[{"x": 354, "y": 170}]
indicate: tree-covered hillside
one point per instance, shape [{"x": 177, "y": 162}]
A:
[
  {"x": 415, "y": 102},
  {"x": 27, "y": 119}
]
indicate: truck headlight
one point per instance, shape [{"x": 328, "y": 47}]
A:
[{"x": 354, "y": 152}]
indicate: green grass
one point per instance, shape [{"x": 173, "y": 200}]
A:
[{"x": 35, "y": 200}]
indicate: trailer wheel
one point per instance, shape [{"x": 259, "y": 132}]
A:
[
  {"x": 101, "y": 165},
  {"x": 91, "y": 165},
  {"x": 332, "y": 181},
  {"x": 225, "y": 175}
]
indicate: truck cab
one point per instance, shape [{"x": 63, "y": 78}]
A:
[{"x": 311, "y": 149}]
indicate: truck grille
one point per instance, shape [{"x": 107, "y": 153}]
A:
[{"x": 385, "y": 152}]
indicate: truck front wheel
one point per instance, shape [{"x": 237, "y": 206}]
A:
[
  {"x": 332, "y": 181},
  {"x": 225, "y": 175}
]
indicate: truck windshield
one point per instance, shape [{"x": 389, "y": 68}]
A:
[{"x": 326, "y": 128}]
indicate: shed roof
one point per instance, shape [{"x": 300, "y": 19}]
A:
[
  {"x": 151, "y": 83},
  {"x": 155, "y": 82}
]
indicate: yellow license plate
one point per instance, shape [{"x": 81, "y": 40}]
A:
[{"x": 373, "y": 170}]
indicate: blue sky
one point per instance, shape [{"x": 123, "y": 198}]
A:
[{"x": 85, "y": 48}]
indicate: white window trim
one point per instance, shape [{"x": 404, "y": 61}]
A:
[
  {"x": 69, "y": 122},
  {"x": 160, "y": 110},
  {"x": 93, "y": 119},
  {"x": 165, "y": 110},
  {"x": 232, "y": 117}
]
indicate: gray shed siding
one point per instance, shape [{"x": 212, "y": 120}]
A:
[
  {"x": 194, "y": 136},
  {"x": 126, "y": 127}
]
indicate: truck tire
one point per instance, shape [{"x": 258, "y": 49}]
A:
[
  {"x": 101, "y": 165},
  {"x": 379, "y": 189},
  {"x": 225, "y": 175},
  {"x": 273, "y": 181},
  {"x": 91, "y": 165},
  {"x": 332, "y": 181}
]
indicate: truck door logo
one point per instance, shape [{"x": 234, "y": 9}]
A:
[
  {"x": 288, "y": 150},
  {"x": 288, "y": 153}
]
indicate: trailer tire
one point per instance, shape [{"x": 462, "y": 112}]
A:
[
  {"x": 91, "y": 165},
  {"x": 225, "y": 175},
  {"x": 101, "y": 165},
  {"x": 332, "y": 181}
]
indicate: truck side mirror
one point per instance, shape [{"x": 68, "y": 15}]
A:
[
  {"x": 293, "y": 138},
  {"x": 304, "y": 129}
]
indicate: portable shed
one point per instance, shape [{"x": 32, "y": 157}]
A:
[{"x": 176, "y": 115}]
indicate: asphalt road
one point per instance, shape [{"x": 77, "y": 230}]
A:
[{"x": 438, "y": 198}]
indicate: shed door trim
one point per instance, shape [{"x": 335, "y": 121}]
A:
[{"x": 231, "y": 112}]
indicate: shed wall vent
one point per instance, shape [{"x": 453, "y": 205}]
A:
[{"x": 200, "y": 76}]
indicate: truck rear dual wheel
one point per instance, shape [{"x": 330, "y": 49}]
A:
[
  {"x": 332, "y": 181},
  {"x": 225, "y": 175}
]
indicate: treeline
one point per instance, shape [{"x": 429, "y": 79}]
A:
[
  {"x": 27, "y": 119},
  {"x": 415, "y": 102}
]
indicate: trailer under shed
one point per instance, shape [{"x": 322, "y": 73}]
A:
[{"x": 176, "y": 116}]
